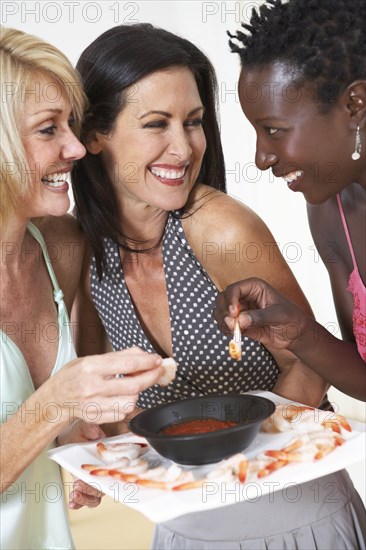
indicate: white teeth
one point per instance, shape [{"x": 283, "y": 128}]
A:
[
  {"x": 290, "y": 178},
  {"x": 171, "y": 175},
  {"x": 55, "y": 180}
]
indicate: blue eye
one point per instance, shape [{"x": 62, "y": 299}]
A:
[{"x": 50, "y": 130}]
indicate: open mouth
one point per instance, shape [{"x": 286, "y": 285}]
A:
[
  {"x": 168, "y": 175},
  {"x": 293, "y": 176},
  {"x": 56, "y": 180}
]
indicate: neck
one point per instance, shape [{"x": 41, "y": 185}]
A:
[
  {"x": 143, "y": 223},
  {"x": 13, "y": 242}
]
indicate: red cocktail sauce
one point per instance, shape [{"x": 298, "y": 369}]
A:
[{"x": 197, "y": 426}]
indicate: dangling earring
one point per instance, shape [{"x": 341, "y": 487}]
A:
[{"x": 357, "y": 152}]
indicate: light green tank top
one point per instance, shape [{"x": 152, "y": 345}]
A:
[{"x": 32, "y": 511}]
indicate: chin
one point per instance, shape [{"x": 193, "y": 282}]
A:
[
  {"x": 317, "y": 200},
  {"x": 174, "y": 204},
  {"x": 60, "y": 211}
]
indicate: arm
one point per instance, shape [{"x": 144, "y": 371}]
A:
[
  {"x": 82, "y": 493},
  {"x": 78, "y": 384},
  {"x": 244, "y": 247},
  {"x": 89, "y": 335},
  {"x": 271, "y": 319}
]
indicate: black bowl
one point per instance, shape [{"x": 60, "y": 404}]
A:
[{"x": 248, "y": 410}]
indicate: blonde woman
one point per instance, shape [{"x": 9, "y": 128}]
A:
[{"x": 44, "y": 388}]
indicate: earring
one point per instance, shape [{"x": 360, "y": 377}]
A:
[{"x": 357, "y": 152}]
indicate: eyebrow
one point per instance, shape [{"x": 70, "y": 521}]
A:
[
  {"x": 48, "y": 110},
  {"x": 271, "y": 118},
  {"x": 169, "y": 115}
]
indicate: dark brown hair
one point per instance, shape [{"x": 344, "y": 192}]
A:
[{"x": 108, "y": 67}]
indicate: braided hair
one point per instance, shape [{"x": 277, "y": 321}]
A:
[{"x": 322, "y": 41}]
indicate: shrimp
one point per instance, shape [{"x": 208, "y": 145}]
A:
[
  {"x": 235, "y": 348},
  {"x": 170, "y": 369},
  {"x": 113, "y": 452}
]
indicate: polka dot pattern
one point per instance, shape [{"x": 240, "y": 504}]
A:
[{"x": 199, "y": 348}]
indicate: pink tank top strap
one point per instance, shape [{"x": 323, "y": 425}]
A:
[
  {"x": 358, "y": 289},
  {"x": 345, "y": 226}
]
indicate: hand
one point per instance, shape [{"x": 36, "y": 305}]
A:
[
  {"x": 82, "y": 494},
  {"x": 92, "y": 388},
  {"x": 265, "y": 315}
]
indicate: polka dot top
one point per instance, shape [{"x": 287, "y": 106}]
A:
[{"x": 199, "y": 348}]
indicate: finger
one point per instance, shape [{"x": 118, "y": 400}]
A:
[
  {"x": 103, "y": 412},
  {"x": 129, "y": 361},
  {"x": 90, "y": 432},
  {"x": 230, "y": 323},
  {"x": 245, "y": 320},
  {"x": 107, "y": 410},
  {"x": 248, "y": 291},
  {"x": 78, "y": 500},
  {"x": 136, "y": 350},
  {"x": 84, "y": 488},
  {"x": 132, "y": 383},
  {"x": 233, "y": 294},
  {"x": 256, "y": 317}
]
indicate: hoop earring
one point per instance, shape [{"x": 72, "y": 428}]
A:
[{"x": 357, "y": 152}]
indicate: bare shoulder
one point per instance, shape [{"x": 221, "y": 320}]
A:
[
  {"x": 220, "y": 216},
  {"x": 65, "y": 244},
  {"x": 232, "y": 242}
]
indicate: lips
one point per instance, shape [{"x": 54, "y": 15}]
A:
[
  {"x": 56, "y": 180},
  {"x": 169, "y": 175},
  {"x": 292, "y": 177}
]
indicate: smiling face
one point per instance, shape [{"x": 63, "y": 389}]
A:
[
  {"x": 312, "y": 151},
  {"x": 154, "y": 153},
  {"x": 50, "y": 146}
]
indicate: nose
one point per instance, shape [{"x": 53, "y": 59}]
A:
[
  {"x": 264, "y": 159},
  {"x": 179, "y": 144},
  {"x": 71, "y": 148}
]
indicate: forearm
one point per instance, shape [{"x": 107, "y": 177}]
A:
[
  {"x": 297, "y": 382},
  {"x": 335, "y": 360},
  {"x": 296, "y": 386},
  {"x": 26, "y": 433}
]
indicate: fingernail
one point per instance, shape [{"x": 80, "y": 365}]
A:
[
  {"x": 229, "y": 322},
  {"x": 245, "y": 320},
  {"x": 94, "y": 433}
]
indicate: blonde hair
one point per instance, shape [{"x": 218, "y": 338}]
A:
[{"x": 22, "y": 57}]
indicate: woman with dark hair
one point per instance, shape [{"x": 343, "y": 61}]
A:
[
  {"x": 152, "y": 139},
  {"x": 313, "y": 52},
  {"x": 165, "y": 239}
]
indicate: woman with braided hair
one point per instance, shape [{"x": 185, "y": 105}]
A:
[{"x": 303, "y": 88}]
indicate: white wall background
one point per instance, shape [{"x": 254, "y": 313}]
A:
[{"x": 72, "y": 25}]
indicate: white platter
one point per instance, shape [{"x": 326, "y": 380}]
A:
[{"x": 160, "y": 505}]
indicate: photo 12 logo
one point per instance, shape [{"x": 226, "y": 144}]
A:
[
  {"x": 13, "y": 12},
  {"x": 228, "y": 12}
]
